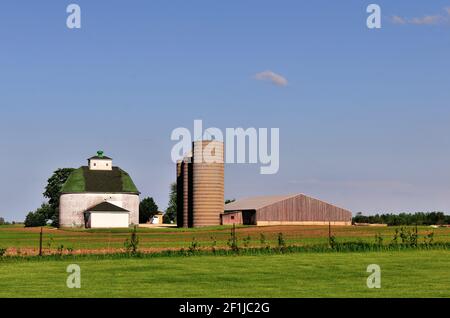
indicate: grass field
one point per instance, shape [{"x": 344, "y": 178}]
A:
[
  {"x": 403, "y": 274},
  {"x": 25, "y": 241}
]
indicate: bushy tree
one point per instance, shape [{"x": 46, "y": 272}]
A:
[
  {"x": 147, "y": 210},
  {"x": 40, "y": 216},
  {"x": 2, "y": 221},
  {"x": 55, "y": 184},
  {"x": 171, "y": 211},
  {"x": 53, "y": 191}
]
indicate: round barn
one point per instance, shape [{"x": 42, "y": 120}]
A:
[{"x": 99, "y": 195}]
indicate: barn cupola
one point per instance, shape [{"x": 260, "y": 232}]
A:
[{"x": 100, "y": 162}]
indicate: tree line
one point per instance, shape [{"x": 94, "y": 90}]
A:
[{"x": 418, "y": 218}]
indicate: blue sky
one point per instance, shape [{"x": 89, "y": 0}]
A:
[{"x": 364, "y": 120}]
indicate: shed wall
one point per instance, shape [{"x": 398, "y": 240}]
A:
[
  {"x": 227, "y": 219},
  {"x": 302, "y": 209}
]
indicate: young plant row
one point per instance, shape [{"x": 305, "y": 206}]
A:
[{"x": 404, "y": 238}]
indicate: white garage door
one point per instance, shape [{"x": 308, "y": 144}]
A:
[{"x": 109, "y": 219}]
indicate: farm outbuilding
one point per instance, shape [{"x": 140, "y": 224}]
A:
[
  {"x": 297, "y": 209},
  {"x": 157, "y": 218}
]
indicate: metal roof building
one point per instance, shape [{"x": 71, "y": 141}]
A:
[{"x": 296, "y": 209}]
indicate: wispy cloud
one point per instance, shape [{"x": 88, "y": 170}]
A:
[
  {"x": 273, "y": 77},
  {"x": 428, "y": 20},
  {"x": 398, "y": 20},
  {"x": 443, "y": 18}
]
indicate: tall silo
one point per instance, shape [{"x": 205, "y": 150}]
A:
[
  {"x": 187, "y": 191},
  {"x": 179, "y": 193},
  {"x": 207, "y": 183}
]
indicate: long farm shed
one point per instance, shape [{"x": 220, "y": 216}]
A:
[{"x": 297, "y": 209}]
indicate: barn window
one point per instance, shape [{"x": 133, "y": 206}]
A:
[
  {"x": 232, "y": 217},
  {"x": 95, "y": 164}
]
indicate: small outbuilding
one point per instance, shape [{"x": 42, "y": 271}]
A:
[
  {"x": 157, "y": 218},
  {"x": 297, "y": 209}
]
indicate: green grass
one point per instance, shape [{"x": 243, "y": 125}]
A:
[
  {"x": 303, "y": 272},
  {"x": 408, "y": 273}
]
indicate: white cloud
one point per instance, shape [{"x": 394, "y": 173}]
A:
[
  {"x": 428, "y": 20},
  {"x": 274, "y": 78},
  {"x": 398, "y": 20},
  {"x": 424, "y": 20}
]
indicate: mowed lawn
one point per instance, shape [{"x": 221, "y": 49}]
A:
[
  {"x": 404, "y": 274},
  {"x": 25, "y": 241}
]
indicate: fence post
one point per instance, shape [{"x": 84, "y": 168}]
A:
[
  {"x": 233, "y": 237},
  {"x": 40, "y": 243},
  {"x": 329, "y": 233}
]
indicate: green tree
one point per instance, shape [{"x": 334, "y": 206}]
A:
[
  {"x": 53, "y": 191},
  {"x": 2, "y": 221},
  {"x": 40, "y": 216},
  {"x": 171, "y": 211},
  {"x": 418, "y": 218},
  {"x": 147, "y": 209},
  {"x": 55, "y": 184}
]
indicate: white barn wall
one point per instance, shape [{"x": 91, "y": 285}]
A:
[{"x": 73, "y": 205}]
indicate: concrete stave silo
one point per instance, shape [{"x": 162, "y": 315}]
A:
[
  {"x": 187, "y": 192},
  {"x": 207, "y": 183},
  {"x": 200, "y": 185},
  {"x": 180, "y": 193}
]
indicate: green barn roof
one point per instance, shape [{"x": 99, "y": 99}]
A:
[{"x": 84, "y": 180}]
